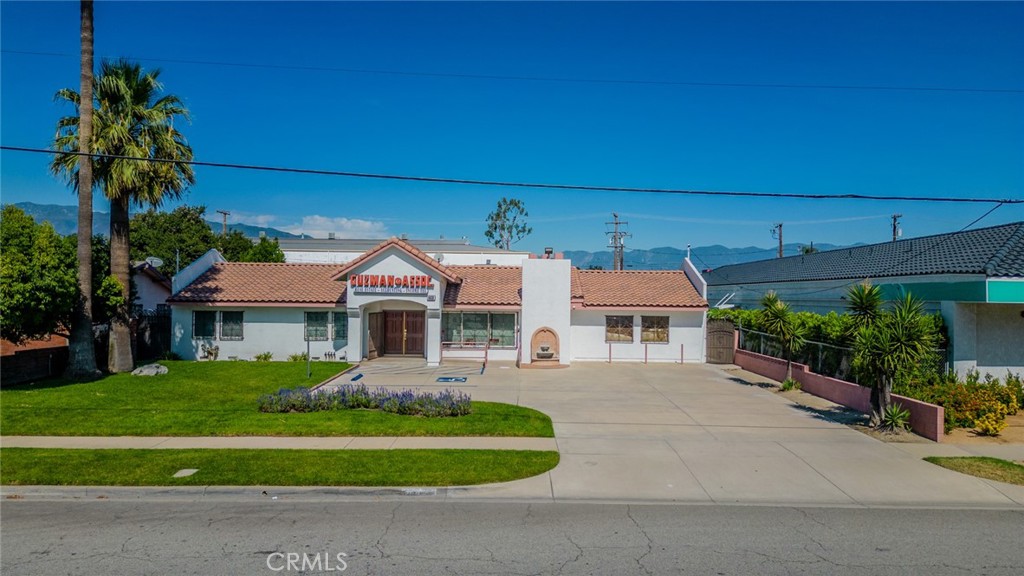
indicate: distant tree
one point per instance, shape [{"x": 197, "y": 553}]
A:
[
  {"x": 38, "y": 280},
  {"x": 265, "y": 250},
  {"x": 595, "y": 267},
  {"x": 507, "y": 224},
  {"x": 234, "y": 246},
  {"x": 779, "y": 321},
  {"x": 808, "y": 249},
  {"x": 182, "y": 233}
]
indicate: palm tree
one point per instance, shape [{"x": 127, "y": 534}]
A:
[
  {"x": 81, "y": 347},
  {"x": 865, "y": 304},
  {"x": 779, "y": 321},
  {"x": 890, "y": 349},
  {"x": 130, "y": 121}
]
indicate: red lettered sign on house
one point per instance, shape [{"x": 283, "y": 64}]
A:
[{"x": 389, "y": 284}]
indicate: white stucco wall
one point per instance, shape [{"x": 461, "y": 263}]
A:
[
  {"x": 685, "y": 338},
  {"x": 988, "y": 338},
  {"x": 149, "y": 293},
  {"x": 547, "y": 302},
  {"x": 276, "y": 330}
]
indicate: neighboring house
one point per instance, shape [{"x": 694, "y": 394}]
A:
[
  {"x": 974, "y": 278},
  {"x": 344, "y": 250},
  {"x": 152, "y": 288},
  {"x": 396, "y": 300}
]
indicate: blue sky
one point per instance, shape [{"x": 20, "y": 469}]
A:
[{"x": 801, "y": 140}]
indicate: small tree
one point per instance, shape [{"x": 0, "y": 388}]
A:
[
  {"x": 890, "y": 349},
  {"x": 779, "y": 321},
  {"x": 507, "y": 224},
  {"x": 38, "y": 283},
  {"x": 181, "y": 234}
]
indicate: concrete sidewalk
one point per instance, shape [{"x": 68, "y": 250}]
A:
[{"x": 281, "y": 442}]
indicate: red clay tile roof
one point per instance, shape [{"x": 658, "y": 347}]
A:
[
  {"x": 406, "y": 247},
  {"x": 639, "y": 289},
  {"x": 263, "y": 283},
  {"x": 575, "y": 286},
  {"x": 8, "y": 348},
  {"x": 485, "y": 286}
]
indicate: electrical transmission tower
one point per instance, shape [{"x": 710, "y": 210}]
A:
[{"x": 618, "y": 234}]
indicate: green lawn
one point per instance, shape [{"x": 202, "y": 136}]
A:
[
  {"x": 63, "y": 467},
  {"x": 219, "y": 399},
  {"x": 983, "y": 467}
]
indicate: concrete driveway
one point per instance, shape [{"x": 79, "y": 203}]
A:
[{"x": 705, "y": 433}]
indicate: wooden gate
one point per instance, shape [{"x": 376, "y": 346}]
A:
[{"x": 721, "y": 341}]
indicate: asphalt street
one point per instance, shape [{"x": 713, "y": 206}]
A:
[{"x": 406, "y": 536}]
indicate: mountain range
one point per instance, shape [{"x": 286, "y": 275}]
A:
[{"x": 65, "y": 221}]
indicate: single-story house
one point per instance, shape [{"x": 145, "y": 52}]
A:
[
  {"x": 152, "y": 288},
  {"x": 395, "y": 299},
  {"x": 975, "y": 278}
]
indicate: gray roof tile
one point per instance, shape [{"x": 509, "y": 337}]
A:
[{"x": 993, "y": 251}]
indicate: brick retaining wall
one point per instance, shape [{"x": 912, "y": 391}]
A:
[{"x": 925, "y": 419}]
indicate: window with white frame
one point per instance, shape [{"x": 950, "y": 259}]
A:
[
  {"x": 654, "y": 329},
  {"x": 618, "y": 328},
  {"x": 231, "y": 325},
  {"x": 316, "y": 326}
]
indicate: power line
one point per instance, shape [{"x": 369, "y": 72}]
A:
[
  {"x": 559, "y": 79},
  {"x": 506, "y": 184}
]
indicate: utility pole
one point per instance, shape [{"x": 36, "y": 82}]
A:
[
  {"x": 777, "y": 233},
  {"x": 896, "y": 232},
  {"x": 618, "y": 246},
  {"x": 224, "y": 224}
]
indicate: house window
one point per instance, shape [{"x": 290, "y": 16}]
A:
[
  {"x": 231, "y": 325},
  {"x": 341, "y": 326},
  {"x": 618, "y": 328},
  {"x": 204, "y": 324},
  {"x": 316, "y": 326},
  {"x": 654, "y": 329},
  {"x": 479, "y": 328},
  {"x": 503, "y": 330}
]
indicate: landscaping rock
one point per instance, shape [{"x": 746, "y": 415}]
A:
[{"x": 150, "y": 370}]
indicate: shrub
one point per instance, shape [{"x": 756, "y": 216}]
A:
[
  {"x": 967, "y": 402},
  {"x": 896, "y": 417},
  {"x": 264, "y": 357},
  {"x": 358, "y": 397},
  {"x": 790, "y": 384},
  {"x": 990, "y": 425},
  {"x": 300, "y": 357}
]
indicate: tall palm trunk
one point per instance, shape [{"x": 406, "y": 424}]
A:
[
  {"x": 81, "y": 348},
  {"x": 120, "y": 349}
]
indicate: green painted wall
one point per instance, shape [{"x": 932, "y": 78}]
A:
[
  {"x": 1006, "y": 291},
  {"x": 937, "y": 291}
]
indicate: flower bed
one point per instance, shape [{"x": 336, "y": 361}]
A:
[{"x": 353, "y": 397}]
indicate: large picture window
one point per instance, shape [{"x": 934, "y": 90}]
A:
[
  {"x": 618, "y": 328},
  {"x": 316, "y": 326},
  {"x": 341, "y": 326},
  {"x": 204, "y": 324},
  {"x": 231, "y": 325},
  {"x": 479, "y": 328},
  {"x": 654, "y": 329}
]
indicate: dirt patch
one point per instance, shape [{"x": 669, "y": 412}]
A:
[{"x": 1012, "y": 434}]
